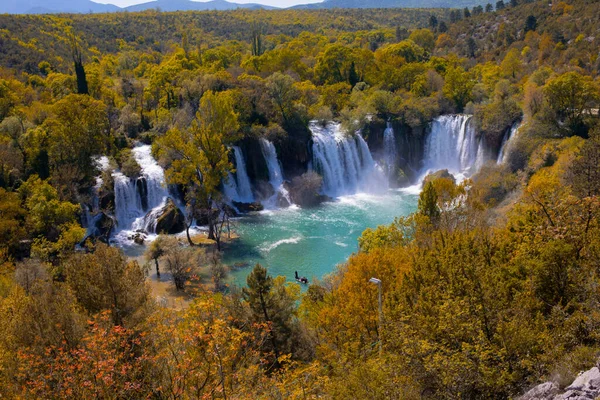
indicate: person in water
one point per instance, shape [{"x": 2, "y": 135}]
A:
[{"x": 301, "y": 279}]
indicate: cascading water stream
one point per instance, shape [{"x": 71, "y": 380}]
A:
[
  {"x": 389, "y": 149},
  {"x": 243, "y": 181},
  {"x": 275, "y": 175},
  {"x": 507, "y": 141},
  {"x": 238, "y": 188},
  {"x": 135, "y": 197},
  {"x": 344, "y": 161},
  {"x": 453, "y": 145},
  {"x": 103, "y": 164}
]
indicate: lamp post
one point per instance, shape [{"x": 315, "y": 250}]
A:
[{"x": 379, "y": 333}]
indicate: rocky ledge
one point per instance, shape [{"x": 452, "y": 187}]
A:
[{"x": 585, "y": 387}]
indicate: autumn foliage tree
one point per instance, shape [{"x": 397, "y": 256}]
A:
[{"x": 200, "y": 157}]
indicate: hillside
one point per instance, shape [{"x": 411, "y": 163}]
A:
[
  {"x": 42, "y": 37},
  {"x": 331, "y": 203}
]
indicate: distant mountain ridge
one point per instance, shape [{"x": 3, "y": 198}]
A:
[
  {"x": 327, "y": 4},
  {"x": 87, "y": 6},
  {"x": 54, "y": 6},
  {"x": 187, "y": 5}
]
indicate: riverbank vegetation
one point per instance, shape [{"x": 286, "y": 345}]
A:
[{"x": 489, "y": 288}]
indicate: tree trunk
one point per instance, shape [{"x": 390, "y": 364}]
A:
[
  {"x": 187, "y": 233},
  {"x": 82, "y": 86},
  {"x": 157, "y": 269},
  {"x": 273, "y": 342}
]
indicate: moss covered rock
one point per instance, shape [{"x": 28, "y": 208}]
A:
[{"x": 170, "y": 220}]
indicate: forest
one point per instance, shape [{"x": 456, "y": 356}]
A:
[{"x": 489, "y": 288}]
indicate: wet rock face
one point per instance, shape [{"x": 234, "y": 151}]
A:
[
  {"x": 142, "y": 187},
  {"x": 585, "y": 387},
  {"x": 138, "y": 238},
  {"x": 106, "y": 200},
  {"x": 101, "y": 227},
  {"x": 294, "y": 152},
  {"x": 410, "y": 147},
  {"x": 305, "y": 190},
  {"x": 263, "y": 190},
  {"x": 170, "y": 220},
  {"x": 442, "y": 173},
  {"x": 248, "y": 207},
  {"x": 256, "y": 166}
]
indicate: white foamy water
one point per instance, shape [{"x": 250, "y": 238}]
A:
[
  {"x": 507, "y": 142},
  {"x": 275, "y": 173},
  {"x": 311, "y": 241},
  {"x": 268, "y": 247},
  {"x": 238, "y": 187},
  {"x": 345, "y": 162},
  {"x": 137, "y": 201},
  {"x": 453, "y": 145},
  {"x": 389, "y": 149}
]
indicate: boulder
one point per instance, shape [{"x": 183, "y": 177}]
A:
[
  {"x": 102, "y": 226},
  {"x": 138, "y": 237},
  {"x": 585, "y": 387},
  {"x": 282, "y": 201},
  {"x": 304, "y": 190},
  {"x": 170, "y": 219},
  {"x": 402, "y": 180},
  {"x": 264, "y": 190},
  {"x": 546, "y": 390},
  {"x": 141, "y": 184},
  {"x": 248, "y": 207},
  {"x": 106, "y": 200},
  {"x": 442, "y": 173}
]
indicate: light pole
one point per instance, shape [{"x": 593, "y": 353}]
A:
[{"x": 379, "y": 333}]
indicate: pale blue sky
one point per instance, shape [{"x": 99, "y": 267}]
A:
[{"x": 276, "y": 3}]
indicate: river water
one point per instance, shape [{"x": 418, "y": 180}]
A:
[{"x": 311, "y": 241}]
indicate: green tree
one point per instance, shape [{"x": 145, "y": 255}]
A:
[
  {"x": 511, "y": 64},
  {"x": 334, "y": 64},
  {"x": 423, "y": 38},
  {"x": 428, "y": 203},
  {"x": 77, "y": 56},
  {"x": 585, "y": 169},
  {"x": 156, "y": 250},
  {"x": 200, "y": 158},
  {"x": 257, "y": 38},
  {"x": 458, "y": 86},
  {"x": 530, "y": 23},
  {"x": 283, "y": 94},
  {"x": 12, "y": 216},
  {"x": 47, "y": 216},
  {"x": 77, "y": 130},
  {"x": 572, "y": 96},
  {"x": 106, "y": 280},
  {"x": 271, "y": 302}
]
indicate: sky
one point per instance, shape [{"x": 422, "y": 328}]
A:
[{"x": 276, "y": 3}]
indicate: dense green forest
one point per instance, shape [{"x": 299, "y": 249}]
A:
[{"x": 490, "y": 288}]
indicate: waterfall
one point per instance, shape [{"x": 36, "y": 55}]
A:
[
  {"x": 344, "y": 161},
  {"x": 275, "y": 174},
  {"x": 243, "y": 182},
  {"x": 103, "y": 165},
  {"x": 135, "y": 197},
  {"x": 238, "y": 187},
  {"x": 452, "y": 144},
  {"x": 506, "y": 142},
  {"x": 389, "y": 149}
]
